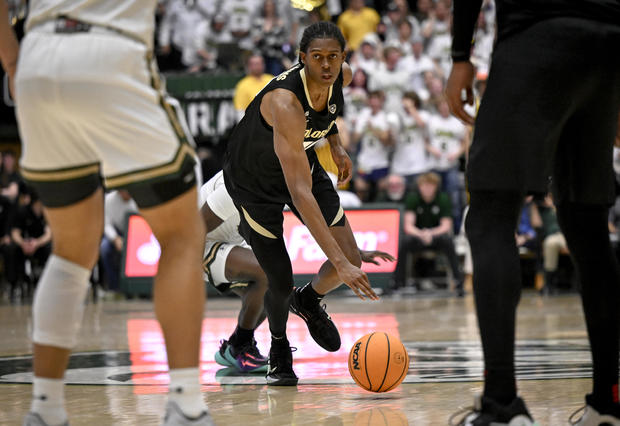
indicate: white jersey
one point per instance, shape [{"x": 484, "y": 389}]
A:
[
  {"x": 393, "y": 84},
  {"x": 373, "y": 154},
  {"x": 446, "y": 135},
  {"x": 134, "y": 18},
  {"x": 410, "y": 155},
  {"x": 215, "y": 195}
]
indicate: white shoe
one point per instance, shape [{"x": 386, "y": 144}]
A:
[
  {"x": 591, "y": 417},
  {"x": 34, "y": 419},
  {"x": 175, "y": 417}
]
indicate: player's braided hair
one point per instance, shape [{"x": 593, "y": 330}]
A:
[{"x": 321, "y": 29}]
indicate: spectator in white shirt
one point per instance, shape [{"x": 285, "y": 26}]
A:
[
  {"x": 374, "y": 135},
  {"x": 410, "y": 157},
  {"x": 447, "y": 142},
  {"x": 390, "y": 80}
]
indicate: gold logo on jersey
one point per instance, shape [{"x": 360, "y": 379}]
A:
[
  {"x": 318, "y": 134},
  {"x": 332, "y": 109}
]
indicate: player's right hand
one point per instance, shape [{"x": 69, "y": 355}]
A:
[
  {"x": 357, "y": 280},
  {"x": 461, "y": 79}
]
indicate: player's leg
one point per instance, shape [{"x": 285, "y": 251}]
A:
[
  {"x": 64, "y": 172},
  {"x": 261, "y": 227},
  {"x": 587, "y": 235},
  {"x": 59, "y": 300},
  {"x": 490, "y": 226},
  {"x": 583, "y": 194},
  {"x": 238, "y": 268},
  {"x": 306, "y": 301}
]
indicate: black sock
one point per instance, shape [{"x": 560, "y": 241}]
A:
[
  {"x": 279, "y": 341},
  {"x": 490, "y": 226},
  {"x": 309, "y": 293},
  {"x": 241, "y": 337}
]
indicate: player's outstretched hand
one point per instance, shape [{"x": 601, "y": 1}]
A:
[
  {"x": 370, "y": 256},
  {"x": 357, "y": 279},
  {"x": 461, "y": 78}
]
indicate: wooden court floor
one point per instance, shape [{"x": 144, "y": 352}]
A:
[{"x": 117, "y": 375}]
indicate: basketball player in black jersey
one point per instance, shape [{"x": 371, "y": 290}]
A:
[
  {"x": 550, "y": 109},
  {"x": 270, "y": 162}
]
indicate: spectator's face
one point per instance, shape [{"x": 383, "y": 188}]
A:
[
  {"x": 37, "y": 207},
  {"x": 404, "y": 31},
  {"x": 392, "y": 59},
  {"x": 427, "y": 191},
  {"x": 356, "y": 4},
  {"x": 256, "y": 66},
  {"x": 396, "y": 188},
  {"x": 375, "y": 103},
  {"x": 359, "y": 79},
  {"x": 270, "y": 8},
  {"x": 368, "y": 51},
  {"x": 8, "y": 161},
  {"x": 441, "y": 11},
  {"x": 323, "y": 60},
  {"x": 436, "y": 86},
  {"x": 424, "y": 6},
  {"x": 418, "y": 48}
]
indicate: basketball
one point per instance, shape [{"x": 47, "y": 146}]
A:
[{"x": 378, "y": 362}]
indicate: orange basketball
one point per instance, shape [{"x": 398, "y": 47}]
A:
[{"x": 378, "y": 362}]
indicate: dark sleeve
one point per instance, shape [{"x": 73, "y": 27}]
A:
[
  {"x": 445, "y": 206},
  {"x": 465, "y": 14},
  {"x": 411, "y": 202},
  {"x": 17, "y": 220}
]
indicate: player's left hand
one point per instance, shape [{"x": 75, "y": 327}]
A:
[
  {"x": 370, "y": 256},
  {"x": 344, "y": 164}
]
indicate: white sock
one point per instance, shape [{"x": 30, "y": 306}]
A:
[
  {"x": 184, "y": 389},
  {"x": 48, "y": 400}
]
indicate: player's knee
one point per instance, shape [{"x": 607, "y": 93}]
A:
[{"x": 59, "y": 303}]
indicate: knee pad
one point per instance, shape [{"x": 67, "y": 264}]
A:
[{"x": 59, "y": 303}]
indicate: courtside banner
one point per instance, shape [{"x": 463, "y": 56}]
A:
[{"x": 373, "y": 230}]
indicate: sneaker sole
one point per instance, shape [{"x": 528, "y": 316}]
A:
[
  {"x": 222, "y": 360},
  {"x": 286, "y": 381}
]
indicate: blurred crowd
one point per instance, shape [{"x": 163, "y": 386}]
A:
[{"x": 396, "y": 125}]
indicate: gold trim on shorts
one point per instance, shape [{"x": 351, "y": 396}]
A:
[
  {"x": 63, "y": 174},
  {"x": 154, "y": 172},
  {"x": 338, "y": 216}
]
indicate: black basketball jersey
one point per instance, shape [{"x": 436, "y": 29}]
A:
[{"x": 251, "y": 165}]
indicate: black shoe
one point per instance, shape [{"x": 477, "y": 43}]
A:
[
  {"x": 321, "y": 327},
  {"x": 280, "y": 371},
  {"x": 486, "y": 412}
]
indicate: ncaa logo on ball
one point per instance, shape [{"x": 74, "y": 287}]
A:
[{"x": 356, "y": 364}]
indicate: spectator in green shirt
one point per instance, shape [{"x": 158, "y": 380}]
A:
[{"x": 427, "y": 225}]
